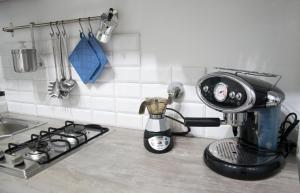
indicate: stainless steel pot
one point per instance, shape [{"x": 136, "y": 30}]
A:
[{"x": 24, "y": 59}]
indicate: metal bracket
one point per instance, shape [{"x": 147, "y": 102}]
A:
[
  {"x": 11, "y": 26},
  {"x": 175, "y": 91}
]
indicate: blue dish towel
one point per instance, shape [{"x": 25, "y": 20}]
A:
[
  {"x": 84, "y": 59},
  {"x": 100, "y": 55}
]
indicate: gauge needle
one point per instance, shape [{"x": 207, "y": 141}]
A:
[{"x": 220, "y": 92}]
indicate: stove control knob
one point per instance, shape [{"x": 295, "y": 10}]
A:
[
  {"x": 238, "y": 96},
  {"x": 232, "y": 94},
  {"x": 14, "y": 160},
  {"x": 205, "y": 88}
]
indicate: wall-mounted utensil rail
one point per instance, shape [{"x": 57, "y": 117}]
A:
[{"x": 45, "y": 24}]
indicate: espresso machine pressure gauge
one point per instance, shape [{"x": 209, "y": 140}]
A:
[{"x": 220, "y": 92}]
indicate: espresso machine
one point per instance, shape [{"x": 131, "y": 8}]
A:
[{"x": 252, "y": 107}]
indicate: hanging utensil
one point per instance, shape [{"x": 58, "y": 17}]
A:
[
  {"x": 54, "y": 87},
  {"x": 60, "y": 61},
  {"x": 24, "y": 59},
  {"x": 69, "y": 82},
  {"x": 108, "y": 23},
  {"x": 64, "y": 90}
]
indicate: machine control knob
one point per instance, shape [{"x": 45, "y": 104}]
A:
[
  {"x": 232, "y": 94},
  {"x": 238, "y": 96},
  {"x": 205, "y": 88}
]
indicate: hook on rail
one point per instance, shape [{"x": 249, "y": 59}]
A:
[
  {"x": 62, "y": 24},
  {"x": 79, "y": 21},
  {"x": 56, "y": 24},
  {"x": 52, "y": 31},
  {"x": 89, "y": 21}
]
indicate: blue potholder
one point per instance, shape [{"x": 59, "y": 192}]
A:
[
  {"x": 100, "y": 55},
  {"x": 84, "y": 59}
]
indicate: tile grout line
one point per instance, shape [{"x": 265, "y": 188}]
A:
[
  {"x": 140, "y": 78},
  {"x": 114, "y": 84}
]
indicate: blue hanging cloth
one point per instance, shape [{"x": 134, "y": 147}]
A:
[
  {"x": 95, "y": 44},
  {"x": 84, "y": 59}
]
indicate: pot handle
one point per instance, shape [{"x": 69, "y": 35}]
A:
[
  {"x": 142, "y": 107},
  {"x": 32, "y": 35}
]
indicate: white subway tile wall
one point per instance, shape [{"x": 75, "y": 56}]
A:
[
  {"x": 102, "y": 117},
  {"x": 3, "y": 105},
  {"x": 153, "y": 74},
  {"x": 115, "y": 98}
]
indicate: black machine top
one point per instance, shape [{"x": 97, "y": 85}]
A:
[{"x": 237, "y": 92}]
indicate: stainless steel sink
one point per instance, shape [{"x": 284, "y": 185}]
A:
[{"x": 10, "y": 126}]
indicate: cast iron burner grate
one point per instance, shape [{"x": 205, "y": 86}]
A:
[
  {"x": 44, "y": 148},
  {"x": 38, "y": 145}
]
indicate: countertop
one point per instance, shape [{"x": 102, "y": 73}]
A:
[{"x": 118, "y": 162}]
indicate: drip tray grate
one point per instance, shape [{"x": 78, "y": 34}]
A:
[{"x": 229, "y": 150}]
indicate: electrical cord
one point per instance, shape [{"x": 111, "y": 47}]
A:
[
  {"x": 286, "y": 128},
  {"x": 178, "y": 121},
  {"x": 284, "y": 146}
]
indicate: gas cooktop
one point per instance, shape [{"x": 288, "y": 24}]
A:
[{"x": 28, "y": 158}]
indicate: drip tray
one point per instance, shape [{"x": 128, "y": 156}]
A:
[
  {"x": 230, "y": 158},
  {"x": 229, "y": 150}
]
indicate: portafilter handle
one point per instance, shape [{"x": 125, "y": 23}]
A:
[{"x": 202, "y": 122}]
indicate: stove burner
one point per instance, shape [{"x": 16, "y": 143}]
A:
[
  {"x": 37, "y": 156},
  {"x": 59, "y": 145},
  {"x": 74, "y": 138},
  {"x": 74, "y": 130},
  {"x": 61, "y": 141},
  {"x": 38, "y": 150},
  {"x": 38, "y": 145},
  {"x": 74, "y": 134}
]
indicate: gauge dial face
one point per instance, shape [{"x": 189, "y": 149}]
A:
[{"x": 221, "y": 92}]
